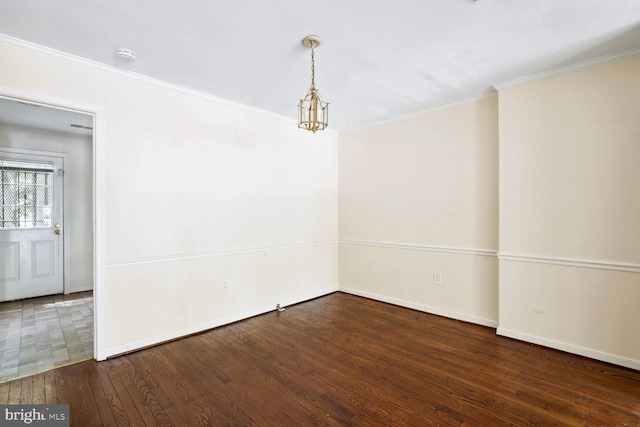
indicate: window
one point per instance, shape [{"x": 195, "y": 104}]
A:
[{"x": 25, "y": 195}]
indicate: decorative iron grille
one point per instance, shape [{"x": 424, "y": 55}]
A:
[{"x": 26, "y": 195}]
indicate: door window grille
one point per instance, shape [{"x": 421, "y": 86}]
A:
[{"x": 26, "y": 195}]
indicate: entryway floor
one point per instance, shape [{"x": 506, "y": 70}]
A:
[{"x": 42, "y": 333}]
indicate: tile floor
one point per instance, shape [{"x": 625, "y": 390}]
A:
[{"x": 41, "y": 333}]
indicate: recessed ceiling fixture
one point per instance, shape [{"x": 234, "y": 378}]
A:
[
  {"x": 314, "y": 112},
  {"x": 126, "y": 54}
]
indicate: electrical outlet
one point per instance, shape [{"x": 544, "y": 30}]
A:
[
  {"x": 437, "y": 279},
  {"x": 225, "y": 286}
]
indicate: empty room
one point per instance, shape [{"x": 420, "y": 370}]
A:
[{"x": 456, "y": 243}]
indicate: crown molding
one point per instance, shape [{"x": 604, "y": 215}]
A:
[
  {"x": 53, "y": 53},
  {"x": 478, "y": 97},
  {"x": 573, "y": 68}
]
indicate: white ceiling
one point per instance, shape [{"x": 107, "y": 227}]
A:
[{"x": 380, "y": 59}]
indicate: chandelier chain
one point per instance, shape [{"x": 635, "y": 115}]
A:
[{"x": 313, "y": 67}]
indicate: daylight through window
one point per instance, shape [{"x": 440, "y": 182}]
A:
[{"x": 26, "y": 195}]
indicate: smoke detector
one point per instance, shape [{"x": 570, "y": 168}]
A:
[{"x": 126, "y": 54}]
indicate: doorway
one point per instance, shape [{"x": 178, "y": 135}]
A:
[
  {"x": 31, "y": 217},
  {"x": 47, "y": 237}
]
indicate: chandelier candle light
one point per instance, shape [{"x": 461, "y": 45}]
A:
[{"x": 314, "y": 112}]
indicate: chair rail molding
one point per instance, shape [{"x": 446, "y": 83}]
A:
[
  {"x": 429, "y": 248},
  {"x": 571, "y": 262},
  {"x": 206, "y": 254}
]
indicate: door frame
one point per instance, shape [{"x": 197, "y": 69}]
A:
[
  {"x": 65, "y": 201},
  {"x": 99, "y": 176}
]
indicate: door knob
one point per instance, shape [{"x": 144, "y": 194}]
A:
[{"x": 58, "y": 231}]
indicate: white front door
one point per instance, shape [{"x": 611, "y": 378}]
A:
[{"x": 31, "y": 219}]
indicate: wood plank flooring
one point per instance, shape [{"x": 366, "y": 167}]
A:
[{"x": 340, "y": 360}]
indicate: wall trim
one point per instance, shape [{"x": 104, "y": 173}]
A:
[
  {"x": 571, "y": 348},
  {"x": 487, "y": 94},
  {"x": 47, "y": 51},
  {"x": 573, "y": 68},
  {"x": 572, "y": 262},
  {"x": 446, "y": 249},
  {"x": 206, "y": 254},
  {"x": 421, "y": 307},
  {"x": 190, "y": 330}
]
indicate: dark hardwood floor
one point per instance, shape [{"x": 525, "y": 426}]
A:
[{"x": 340, "y": 360}]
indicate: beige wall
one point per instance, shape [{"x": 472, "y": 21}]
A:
[
  {"x": 79, "y": 194},
  {"x": 197, "y": 193},
  {"x": 200, "y": 193},
  {"x": 570, "y": 212},
  {"x": 419, "y": 196}
]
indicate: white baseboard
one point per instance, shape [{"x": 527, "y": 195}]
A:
[
  {"x": 570, "y": 348},
  {"x": 80, "y": 289},
  {"x": 421, "y": 307},
  {"x": 159, "y": 339}
]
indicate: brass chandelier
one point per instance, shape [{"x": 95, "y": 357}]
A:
[{"x": 313, "y": 111}]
